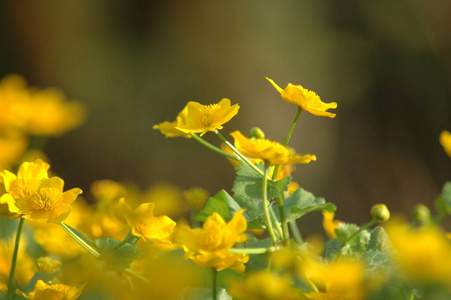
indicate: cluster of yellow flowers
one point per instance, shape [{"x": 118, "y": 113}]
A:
[
  {"x": 27, "y": 111},
  {"x": 122, "y": 242}
]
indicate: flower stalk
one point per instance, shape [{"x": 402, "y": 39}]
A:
[
  {"x": 211, "y": 147},
  {"x": 14, "y": 260},
  {"x": 266, "y": 204},
  {"x": 252, "y": 250}
]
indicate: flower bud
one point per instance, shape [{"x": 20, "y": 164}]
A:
[
  {"x": 380, "y": 213},
  {"x": 256, "y": 133},
  {"x": 421, "y": 213}
]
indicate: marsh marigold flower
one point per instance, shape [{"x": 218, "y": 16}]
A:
[
  {"x": 268, "y": 151},
  {"x": 49, "y": 201},
  {"x": 305, "y": 99},
  {"x": 445, "y": 141},
  {"x": 44, "y": 291},
  {"x": 203, "y": 118},
  {"x": 169, "y": 128},
  {"x": 24, "y": 184},
  {"x": 208, "y": 246},
  {"x": 144, "y": 224}
]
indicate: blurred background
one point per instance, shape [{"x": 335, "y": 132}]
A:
[{"x": 137, "y": 63}]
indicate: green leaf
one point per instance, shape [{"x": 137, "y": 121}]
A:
[
  {"x": 378, "y": 261},
  {"x": 333, "y": 247},
  {"x": 116, "y": 259},
  {"x": 342, "y": 243},
  {"x": 221, "y": 203},
  {"x": 379, "y": 240},
  {"x": 302, "y": 202},
  {"x": 248, "y": 184},
  {"x": 443, "y": 202},
  {"x": 198, "y": 293}
]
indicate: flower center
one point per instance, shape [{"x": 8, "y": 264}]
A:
[
  {"x": 45, "y": 199},
  {"x": 21, "y": 188},
  {"x": 206, "y": 114}
]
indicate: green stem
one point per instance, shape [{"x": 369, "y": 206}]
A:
[
  {"x": 14, "y": 261},
  {"x": 266, "y": 204},
  {"x": 276, "y": 222},
  {"x": 212, "y": 147},
  {"x": 135, "y": 275},
  {"x": 283, "y": 219},
  {"x": 238, "y": 153},
  {"x": 252, "y": 250},
  {"x": 214, "y": 283},
  {"x": 125, "y": 241},
  {"x": 79, "y": 240},
  {"x": 296, "y": 233},
  {"x": 355, "y": 234},
  {"x": 287, "y": 139}
]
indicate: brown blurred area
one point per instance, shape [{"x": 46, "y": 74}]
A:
[{"x": 136, "y": 63}]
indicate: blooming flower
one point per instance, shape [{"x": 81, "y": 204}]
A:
[
  {"x": 305, "y": 99},
  {"x": 208, "y": 246},
  {"x": 445, "y": 141},
  {"x": 203, "y": 118},
  {"x": 25, "y": 184},
  {"x": 145, "y": 225},
  {"x": 268, "y": 151},
  {"x": 12, "y": 145},
  {"x": 49, "y": 201},
  {"x": 169, "y": 128},
  {"x": 44, "y": 291}
]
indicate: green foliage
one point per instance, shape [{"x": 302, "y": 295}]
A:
[
  {"x": 302, "y": 202},
  {"x": 443, "y": 202},
  {"x": 116, "y": 258},
  {"x": 221, "y": 203},
  {"x": 248, "y": 184}
]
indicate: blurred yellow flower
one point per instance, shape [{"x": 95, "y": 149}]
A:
[
  {"x": 330, "y": 224},
  {"x": 25, "y": 184},
  {"x": 46, "y": 264},
  {"x": 169, "y": 128},
  {"x": 445, "y": 141},
  {"x": 52, "y": 115},
  {"x": 203, "y": 118},
  {"x": 44, "y": 291},
  {"x": 341, "y": 280},
  {"x": 40, "y": 112},
  {"x": 14, "y": 99},
  {"x": 268, "y": 151},
  {"x": 196, "y": 197},
  {"x": 422, "y": 253},
  {"x": 305, "y": 99},
  {"x": 263, "y": 285},
  {"x": 49, "y": 201},
  {"x": 208, "y": 246},
  {"x": 143, "y": 223},
  {"x": 12, "y": 145},
  {"x": 24, "y": 269}
]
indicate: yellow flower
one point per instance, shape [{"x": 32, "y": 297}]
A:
[
  {"x": 25, "y": 184},
  {"x": 208, "y": 246},
  {"x": 337, "y": 286},
  {"x": 145, "y": 225},
  {"x": 44, "y": 291},
  {"x": 305, "y": 99},
  {"x": 445, "y": 141},
  {"x": 263, "y": 285},
  {"x": 203, "y": 118},
  {"x": 169, "y": 128},
  {"x": 49, "y": 201},
  {"x": 12, "y": 146},
  {"x": 268, "y": 151},
  {"x": 14, "y": 99},
  {"x": 330, "y": 224},
  {"x": 196, "y": 197},
  {"x": 423, "y": 253},
  {"x": 47, "y": 265},
  {"x": 51, "y": 114}
]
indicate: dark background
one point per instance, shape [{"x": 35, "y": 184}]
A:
[{"x": 136, "y": 63}]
